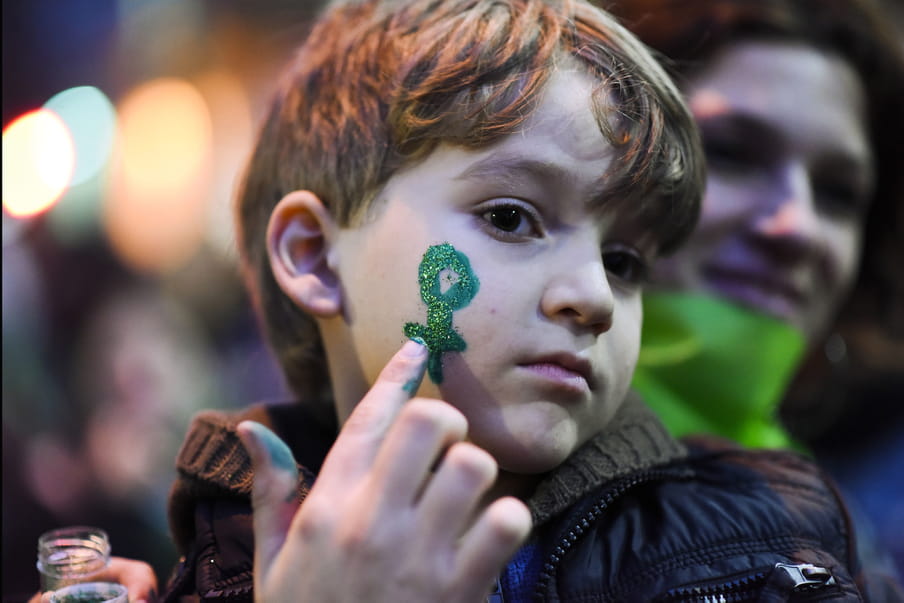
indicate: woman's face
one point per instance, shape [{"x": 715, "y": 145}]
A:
[{"x": 790, "y": 181}]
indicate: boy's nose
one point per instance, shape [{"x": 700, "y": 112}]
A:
[{"x": 580, "y": 294}]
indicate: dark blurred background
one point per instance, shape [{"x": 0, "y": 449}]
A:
[{"x": 125, "y": 125}]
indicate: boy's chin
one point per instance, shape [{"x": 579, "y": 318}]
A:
[{"x": 531, "y": 454}]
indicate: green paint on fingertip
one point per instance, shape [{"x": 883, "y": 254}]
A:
[
  {"x": 447, "y": 284},
  {"x": 412, "y": 385},
  {"x": 280, "y": 455}
]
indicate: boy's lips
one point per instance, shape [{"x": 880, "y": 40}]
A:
[{"x": 563, "y": 367}]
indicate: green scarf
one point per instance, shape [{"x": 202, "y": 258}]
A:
[{"x": 708, "y": 366}]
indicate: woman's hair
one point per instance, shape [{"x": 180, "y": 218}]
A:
[{"x": 378, "y": 85}]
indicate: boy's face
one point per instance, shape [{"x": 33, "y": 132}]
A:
[{"x": 549, "y": 336}]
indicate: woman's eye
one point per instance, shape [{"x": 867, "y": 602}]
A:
[
  {"x": 626, "y": 265},
  {"x": 729, "y": 156},
  {"x": 839, "y": 198}
]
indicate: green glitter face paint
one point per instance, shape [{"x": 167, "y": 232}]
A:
[{"x": 447, "y": 284}]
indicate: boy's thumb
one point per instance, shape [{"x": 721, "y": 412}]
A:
[{"x": 273, "y": 493}]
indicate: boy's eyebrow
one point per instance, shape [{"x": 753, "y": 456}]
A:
[
  {"x": 506, "y": 167},
  {"x": 514, "y": 169}
]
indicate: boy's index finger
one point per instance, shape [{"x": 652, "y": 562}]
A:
[
  {"x": 419, "y": 353},
  {"x": 398, "y": 381},
  {"x": 363, "y": 431},
  {"x": 404, "y": 371}
]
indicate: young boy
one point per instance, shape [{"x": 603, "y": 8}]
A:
[{"x": 483, "y": 184}]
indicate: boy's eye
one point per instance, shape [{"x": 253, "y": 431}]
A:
[
  {"x": 505, "y": 218},
  {"x": 625, "y": 264},
  {"x": 509, "y": 219}
]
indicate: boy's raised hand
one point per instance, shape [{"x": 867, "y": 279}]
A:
[{"x": 391, "y": 516}]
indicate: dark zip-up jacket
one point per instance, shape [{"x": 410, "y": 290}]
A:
[{"x": 634, "y": 515}]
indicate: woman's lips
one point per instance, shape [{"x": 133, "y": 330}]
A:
[{"x": 767, "y": 292}]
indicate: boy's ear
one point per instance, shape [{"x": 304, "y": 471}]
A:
[{"x": 299, "y": 238}]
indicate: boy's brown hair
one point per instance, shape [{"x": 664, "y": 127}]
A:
[{"x": 378, "y": 85}]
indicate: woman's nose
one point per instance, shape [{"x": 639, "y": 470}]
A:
[
  {"x": 579, "y": 293},
  {"x": 789, "y": 225}
]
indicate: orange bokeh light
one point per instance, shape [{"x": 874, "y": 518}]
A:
[
  {"x": 38, "y": 163},
  {"x": 156, "y": 208}
]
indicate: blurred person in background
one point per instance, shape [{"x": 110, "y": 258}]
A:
[
  {"x": 795, "y": 268},
  {"x": 100, "y": 378},
  {"x": 102, "y": 369},
  {"x": 104, "y": 360}
]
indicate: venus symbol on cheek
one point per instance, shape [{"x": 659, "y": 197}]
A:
[{"x": 447, "y": 284}]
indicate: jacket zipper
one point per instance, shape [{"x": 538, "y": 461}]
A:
[
  {"x": 733, "y": 591},
  {"x": 797, "y": 578},
  {"x": 549, "y": 568}
]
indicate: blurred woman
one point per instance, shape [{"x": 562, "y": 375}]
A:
[{"x": 796, "y": 262}]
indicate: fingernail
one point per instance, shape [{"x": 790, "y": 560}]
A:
[
  {"x": 280, "y": 455},
  {"x": 414, "y": 348}
]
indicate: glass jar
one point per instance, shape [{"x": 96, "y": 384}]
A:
[
  {"x": 91, "y": 592},
  {"x": 72, "y": 555}
]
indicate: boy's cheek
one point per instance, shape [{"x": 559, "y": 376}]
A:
[{"x": 485, "y": 326}]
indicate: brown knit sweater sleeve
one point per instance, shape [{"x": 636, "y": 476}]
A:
[{"x": 213, "y": 463}]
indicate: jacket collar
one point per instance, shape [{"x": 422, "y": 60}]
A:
[
  {"x": 634, "y": 440},
  {"x": 213, "y": 458}
]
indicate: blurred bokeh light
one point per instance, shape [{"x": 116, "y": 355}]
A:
[
  {"x": 156, "y": 206},
  {"x": 126, "y": 126},
  {"x": 233, "y": 133},
  {"x": 91, "y": 120},
  {"x": 38, "y": 162}
]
